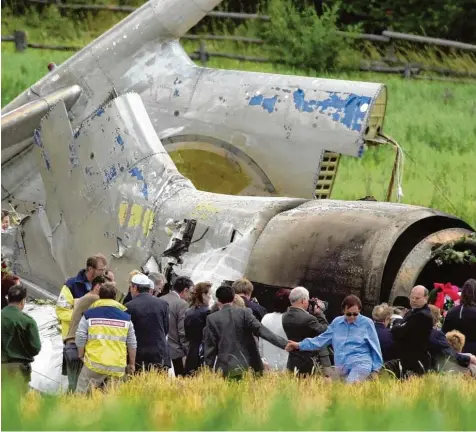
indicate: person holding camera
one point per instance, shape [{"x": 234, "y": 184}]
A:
[
  {"x": 244, "y": 288},
  {"x": 300, "y": 322}
]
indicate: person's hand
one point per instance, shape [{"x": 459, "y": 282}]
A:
[
  {"x": 472, "y": 359},
  {"x": 130, "y": 369},
  {"x": 317, "y": 310},
  {"x": 292, "y": 346},
  {"x": 374, "y": 375}
]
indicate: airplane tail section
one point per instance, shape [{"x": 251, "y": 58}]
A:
[{"x": 108, "y": 177}]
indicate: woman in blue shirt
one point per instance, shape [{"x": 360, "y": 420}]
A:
[{"x": 357, "y": 351}]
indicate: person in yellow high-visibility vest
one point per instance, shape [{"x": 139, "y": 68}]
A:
[
  {"x": 106, "y": 340},
  {"x": 76, "y": 287}
]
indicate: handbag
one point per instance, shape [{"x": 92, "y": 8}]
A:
[{"x": 71, "y": 352}]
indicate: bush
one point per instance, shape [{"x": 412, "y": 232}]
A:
[
  {"x": 452, "y": 19},
  {"x": 301, "y": 38}
]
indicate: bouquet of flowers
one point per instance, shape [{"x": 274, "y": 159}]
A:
[{"x": 444, "y": 297}]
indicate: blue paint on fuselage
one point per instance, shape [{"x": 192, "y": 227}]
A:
[
  {"x": 110, "y": 174},
  {"x": 267, "y": 103},
  {"x": 343, "y": 109},
  {"x": 137, "y": 173},
  {"x": 44, "y": 153}
]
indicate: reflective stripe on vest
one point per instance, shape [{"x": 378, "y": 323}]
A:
[
  {"x": 106, "y": 349},
  {"x": 62, "y": 302},
  {"x": 106, "y": 370},
  {"x": 108, "y": 337}
]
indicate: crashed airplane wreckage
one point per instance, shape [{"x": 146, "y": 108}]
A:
[
  {"x": 87, "y": 155},
  {"x": 122, "y": 194},
  {"x": 239, "y": 133},
  {"x": 112, "y": 187}
]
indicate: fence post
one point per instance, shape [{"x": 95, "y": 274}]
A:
[
  {"x": 390, "y": 53},
  {"x": 20, "y": 40},
  {"x": 203, "y": 52}
]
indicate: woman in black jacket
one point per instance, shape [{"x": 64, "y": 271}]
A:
[
  {"x": 463, "y": 317},
  {"x": 195, "y": 322}
]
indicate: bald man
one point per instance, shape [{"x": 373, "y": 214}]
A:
[{"x": 412, "y": 334}]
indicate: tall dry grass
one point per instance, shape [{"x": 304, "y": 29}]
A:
[{"x": 273, "y": 402}]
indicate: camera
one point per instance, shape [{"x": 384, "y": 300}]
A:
[{"x": 313, "y": 302}]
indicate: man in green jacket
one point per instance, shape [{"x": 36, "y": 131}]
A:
[{"x": 20, "y": 338}]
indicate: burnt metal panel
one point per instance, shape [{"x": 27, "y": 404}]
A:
[{"x": 335, "y": 248}]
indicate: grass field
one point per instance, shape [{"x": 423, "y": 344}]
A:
[{"x": 155, "y": 402}]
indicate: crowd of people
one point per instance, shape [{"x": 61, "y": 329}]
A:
[{"x": 106, "y": 337}]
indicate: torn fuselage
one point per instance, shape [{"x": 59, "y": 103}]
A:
[{"x": 112, "y": 187}]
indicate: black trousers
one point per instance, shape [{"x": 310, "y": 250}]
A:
[
  {"x": 179, "y": 369},
  {"x": 73, "y": 365},
  {"x": 16, "y": 374},
  {"x": 402, "y": 369},
  {"x": 147, "y": 367}
]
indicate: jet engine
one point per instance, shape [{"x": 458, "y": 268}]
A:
[{"x": 374, "y": 250}]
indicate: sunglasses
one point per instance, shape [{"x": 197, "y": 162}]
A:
[{"x": 349, "y": 314}]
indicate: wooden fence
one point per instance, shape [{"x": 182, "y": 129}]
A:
[{"x": 388, "y": 64}]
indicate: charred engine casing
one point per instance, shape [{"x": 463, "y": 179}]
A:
[{"x": 374, "y": 250}]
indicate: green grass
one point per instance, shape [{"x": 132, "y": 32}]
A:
[{"x": 274, "y": 402}]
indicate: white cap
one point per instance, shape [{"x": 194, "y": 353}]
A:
[
  {"x": 152, "y": 284},
  {"x": 140, "y": 279}
]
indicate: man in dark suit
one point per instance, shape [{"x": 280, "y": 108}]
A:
[
  {"x": 244, "y": 288},
  {"x": 412, "y": 335},
  {"x": 150, "y": 317},
  {"x": 178, "y": 344},
  {"x": 298, "y": 325},
  {"x": 229, "y": 343}
]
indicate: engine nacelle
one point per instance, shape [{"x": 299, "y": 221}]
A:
[{"x": 374, "y": 250}]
